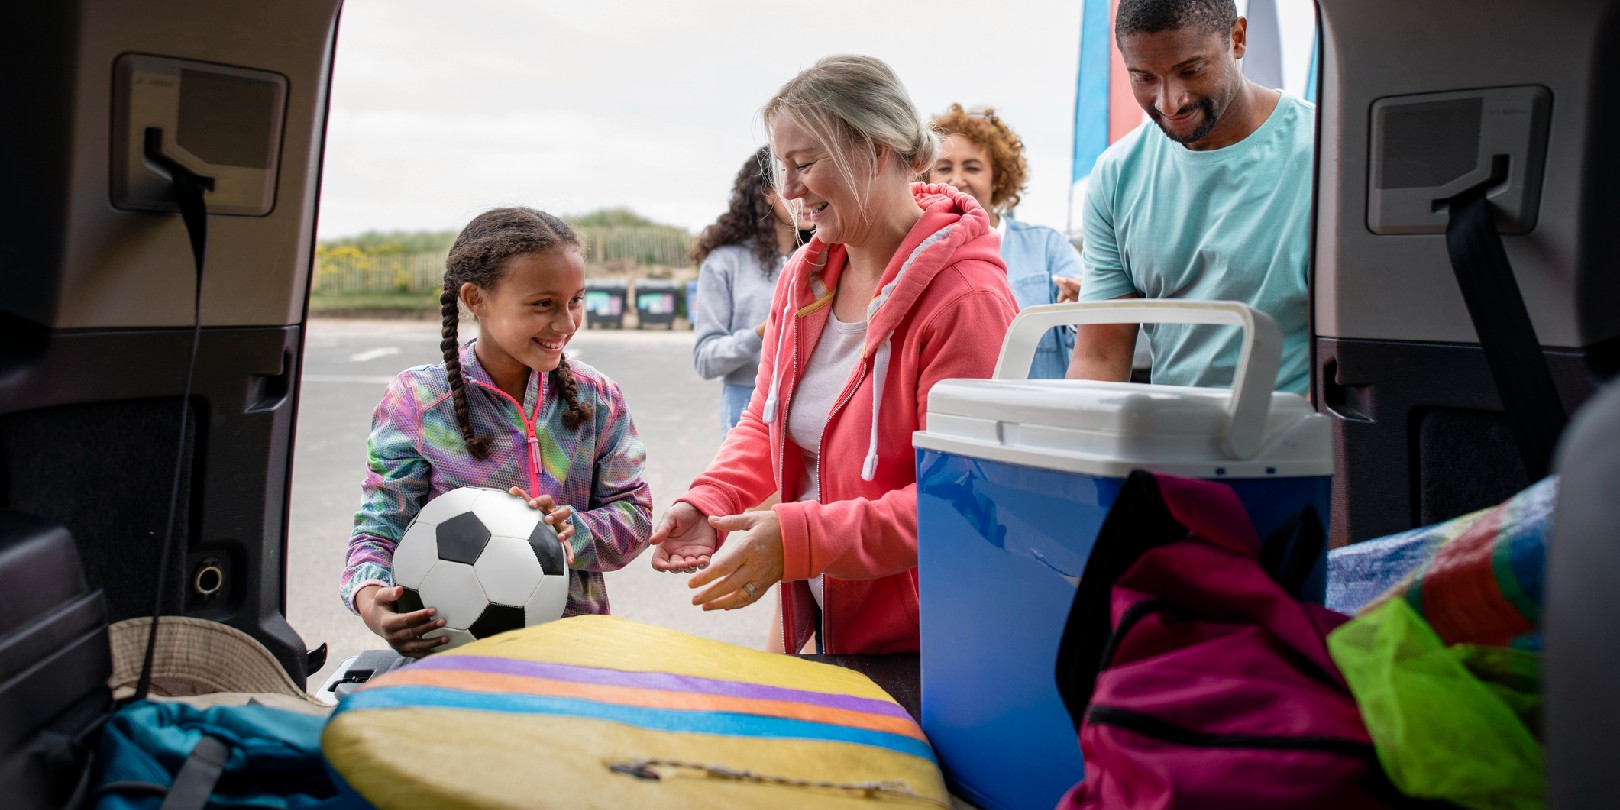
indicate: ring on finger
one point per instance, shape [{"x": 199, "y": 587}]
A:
[{"x": 752, "y": 590}]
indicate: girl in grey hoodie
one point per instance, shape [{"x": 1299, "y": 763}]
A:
[{"x": 740, "y": 256}]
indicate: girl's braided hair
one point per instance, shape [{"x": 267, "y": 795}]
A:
[{"x": 479, "y": 256}]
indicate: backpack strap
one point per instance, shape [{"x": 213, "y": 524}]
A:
[
  {"x": 1153, "y": 511},
  {"x": 194, "y": 784},
  {"x": 1137, "y": 521},
  {"x": 1289, "y": 554}
]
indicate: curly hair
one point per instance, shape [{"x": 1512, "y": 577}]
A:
[
  {"x": 749, "y": 220},
  {"x": 1152, "y": 16},
  {"x": 1009, "y": 170},
  {"x": 480, "y": 256}
]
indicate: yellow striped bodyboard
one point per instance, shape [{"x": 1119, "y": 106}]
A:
[{"x": 593, "y": 711}]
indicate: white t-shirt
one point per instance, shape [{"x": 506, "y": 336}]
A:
[{"x": 813, "y": 399}]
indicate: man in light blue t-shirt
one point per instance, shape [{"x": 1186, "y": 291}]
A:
[{"x": 1212, "y": 201}]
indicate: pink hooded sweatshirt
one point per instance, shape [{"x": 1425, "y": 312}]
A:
[{"x": 941, "y": 312}]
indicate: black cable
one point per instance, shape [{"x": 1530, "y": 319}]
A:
[{"x": 188, "y": 191}]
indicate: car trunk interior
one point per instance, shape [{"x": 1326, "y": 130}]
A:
[{"x": 1417, "y": 102}]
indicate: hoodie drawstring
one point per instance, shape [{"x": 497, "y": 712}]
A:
[
  {"x": 880, "y": 369},
  {"x": 880, "y": 360},
  {"x": 776, "y": 368}
]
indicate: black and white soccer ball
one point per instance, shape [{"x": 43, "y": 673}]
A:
[{"x": 485, "y": 561}]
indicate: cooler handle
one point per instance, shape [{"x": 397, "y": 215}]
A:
[{"x": 1258, "y": 360}]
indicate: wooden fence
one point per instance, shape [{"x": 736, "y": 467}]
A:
[
  {"x": 665, "y": 247},
  {"x": 351, "y": 271}
]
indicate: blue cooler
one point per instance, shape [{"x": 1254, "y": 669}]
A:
[{"x": 1014, "y": 477}]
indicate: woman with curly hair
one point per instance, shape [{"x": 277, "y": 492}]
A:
[
  {"x": 739, "y": 257},
  {"x": 980, "y": 155}
]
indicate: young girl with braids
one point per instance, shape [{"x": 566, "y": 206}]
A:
[{"x": 508, "y": 410}]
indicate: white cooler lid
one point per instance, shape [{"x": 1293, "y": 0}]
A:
[{"x": 1109, "y": 429}]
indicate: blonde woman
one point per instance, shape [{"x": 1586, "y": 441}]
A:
[{"x": 901, "y": 286}]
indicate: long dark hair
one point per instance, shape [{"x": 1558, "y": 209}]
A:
[
  {"x": 480, "y": 256},
  {"x": 750, "y": 220}
]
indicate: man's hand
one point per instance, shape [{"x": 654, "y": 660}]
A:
[
  {"x": 1068, "y": 289},
  {"x": 684, "y": 540}
]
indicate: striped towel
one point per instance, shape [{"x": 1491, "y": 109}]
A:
[
  {"x": 593, "y": 711},
  {"x": 1476, "y": 579}
]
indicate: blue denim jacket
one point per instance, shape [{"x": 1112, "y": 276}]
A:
[{"x": 1035, "y": 253}]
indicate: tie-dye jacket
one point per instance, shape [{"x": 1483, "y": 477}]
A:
[{"x": 416, "y": 453}]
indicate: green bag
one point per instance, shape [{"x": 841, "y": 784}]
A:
[{"x": 1451, "y": 723}]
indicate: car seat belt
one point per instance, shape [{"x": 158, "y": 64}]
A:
[
  {"x": 188, "y": 191},
  {"x": 1518, "y": 366}
]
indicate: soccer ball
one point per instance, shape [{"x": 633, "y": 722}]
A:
[{"x": 485, "y": 560}]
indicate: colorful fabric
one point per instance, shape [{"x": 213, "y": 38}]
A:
[
  {"x": 416, "y": 453},
  {"x": 1451, "y": 723},
  {"x": 596, "y": 711},
  {"x": 1197, "y": 677},
  {"x": 940, "y": 312},
  {"x": 1476, "y": 579}
]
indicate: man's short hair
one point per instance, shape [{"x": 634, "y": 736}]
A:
[{"x": 1153, "y": 16}]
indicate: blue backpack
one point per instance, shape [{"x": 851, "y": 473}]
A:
[{"x": 177, "y": 757}]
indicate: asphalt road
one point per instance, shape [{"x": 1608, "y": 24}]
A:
[{"x": 346, "y": 366}]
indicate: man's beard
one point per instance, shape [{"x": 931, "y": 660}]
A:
[{"x": 1210, "y": 117}]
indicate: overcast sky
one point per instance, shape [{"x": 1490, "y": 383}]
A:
[{"x": 442, "y": 109}]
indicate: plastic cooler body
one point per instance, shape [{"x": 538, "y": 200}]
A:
[
  {"x": 1014, "y": 479},
  {"x": 1001, "y": 548}
]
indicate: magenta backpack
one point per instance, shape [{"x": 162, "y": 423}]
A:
[{"x": 1194, "y": 675}]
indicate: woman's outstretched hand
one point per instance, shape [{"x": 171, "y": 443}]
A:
[
  {"x": 683, "y": 541},
  {"x": 558, "y": 517},
  {"x": 739, "y": 574}
]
